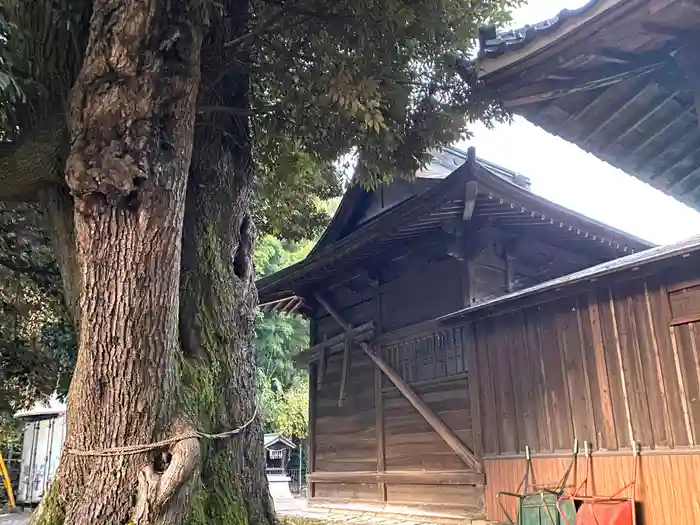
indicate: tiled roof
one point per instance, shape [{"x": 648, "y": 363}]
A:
[{"x": 493, "y": 43}]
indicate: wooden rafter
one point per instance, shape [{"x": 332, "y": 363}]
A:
[
  {"x": 445, "y": 432},
  {"x": 593, "y": 79},
  {"x": 639, "y": 89},
  {"x": 646, "y": 116}
]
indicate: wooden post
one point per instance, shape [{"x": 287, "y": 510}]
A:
[
  {"x": 471, "y": 191},
  {"x": 474, "y": 391},
  {"x": 345, "y": 374},
  {"x": 379, "y": 396},
  {"x": 468, "y": 288},
  {"x": 445, "y": 432},
  {"x": 510, "y": 270},
  {"x": 323, "y": 362},
  {"x": 312, "y": 426},
  {"x": 379, "y": 422}
]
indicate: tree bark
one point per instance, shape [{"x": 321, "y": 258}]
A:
[
  {"x": 131, "y": 128},
  {"x": 217, "y": 294}
]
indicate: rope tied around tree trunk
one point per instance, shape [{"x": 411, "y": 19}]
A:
[{"x": 130, "y": 450}]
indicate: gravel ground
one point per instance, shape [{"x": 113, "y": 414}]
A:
[{"x": 15, "y": 518}]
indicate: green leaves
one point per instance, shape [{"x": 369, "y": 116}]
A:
[
  {"x": 37, "y": 345},
  {"x": 285, "y": 410},
  {"x": 388, "y": 79}
]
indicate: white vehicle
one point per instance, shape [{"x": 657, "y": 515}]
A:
[{"x": 42, "y": 443}]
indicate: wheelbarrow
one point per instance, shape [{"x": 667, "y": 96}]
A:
[
  {"x": 601, "y": 510},
  {"x": 539, "y": 507}
]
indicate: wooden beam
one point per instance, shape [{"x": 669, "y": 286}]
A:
[
  {"x": 379, "y": 424},
  {"x": 471, "y": 190},
  {"x": 379, "y": 397},
  {"x": 646, "y": 116},
  {"x": 597, "y": 78},
  {"x": 311, "y": 459},
  {"x": 639, "y": 89},
  {"x": 402, "y": 477},
  {"x": 659, "y": 132},
  {"x": 334, "y": 345},
  {"x": 468, "y": 283},
  {"x": 322, "y": 362},
  {"x": 445, "y": 432},
  {"x": 345, "y": 374},
  {"x": 474, "y": 390}
]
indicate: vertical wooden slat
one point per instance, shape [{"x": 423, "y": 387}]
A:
[
  {"x": 651, "y": 376},
  {"x": 611, "y": 350},
  {"x": 525, "y": 406},
  {"x": 660, "y": 314},
  {"x": 474, "y": 371},
  {"x": 574, "y": 370},
  {"x": 599, "y": 378},
  {"x": 311, "y": 459},
  {"x": 585, "y": 347},
  {"x": 630, "y": 362},
  {"x": 557, "y": 390},
  {"x": 617, "y": 345},
  {"x": 505, "y": 401},
  {"x": 694, "y": 329},
  {"x": 489, "y": 427},
  {"x": 539, "y": 381},
  {"x": 686, "y": 354}
]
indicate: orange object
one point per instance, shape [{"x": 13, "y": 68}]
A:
[{"x": 605, "y": 512}]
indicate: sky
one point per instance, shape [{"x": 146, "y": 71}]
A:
[{"x": 571, "y": 177}]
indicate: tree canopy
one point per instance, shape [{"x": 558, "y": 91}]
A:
[{"x": 150, "y": 136}]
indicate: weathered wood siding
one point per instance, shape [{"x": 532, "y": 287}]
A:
[
  {"x": 377, "y": 449},
  {"x": 606, "y": 366},
  {"x": 346, "y": 437}
]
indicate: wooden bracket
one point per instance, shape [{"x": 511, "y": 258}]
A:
[{"x": 445, "y": 432}]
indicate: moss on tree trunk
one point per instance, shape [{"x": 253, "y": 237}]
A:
[
  {"x": 218, "y": 296},
  {"x": 206, "y": 376}
]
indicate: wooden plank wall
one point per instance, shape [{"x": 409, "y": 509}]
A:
[
  {"x": 346, "y": 439},
  {"x": 605, "y": 366},
  {"x": 378, "y": 450},
  {"x": 667, "y": 485}
]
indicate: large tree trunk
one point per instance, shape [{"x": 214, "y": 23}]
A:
[
  {"x": 131, "y": 127},
  {"x": 218, "y": 296}
]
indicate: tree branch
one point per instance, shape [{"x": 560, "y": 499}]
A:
[
  {"x": 34, "y": 160},
  {"x": 263, "y": 27},
  {"x": 57, "y": 212}
]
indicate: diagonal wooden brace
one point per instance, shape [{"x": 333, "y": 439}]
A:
[{"x": 445, "y": 432}]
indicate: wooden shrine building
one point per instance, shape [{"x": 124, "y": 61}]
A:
[{"x": 459, "y": 318}]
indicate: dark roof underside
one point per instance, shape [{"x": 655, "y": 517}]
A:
[
  {"x": 631, "y": 262},
  {"x": 421, "y": 220},
  {"x": 604, "y": 78}
]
